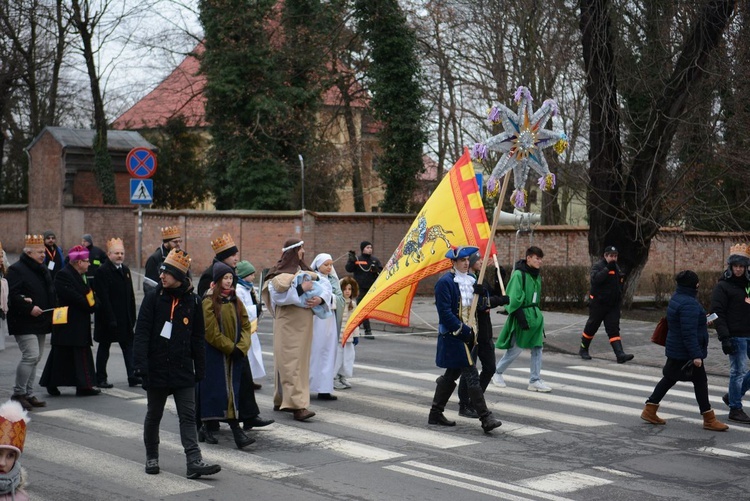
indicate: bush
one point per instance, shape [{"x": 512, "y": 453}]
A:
[
  {"x": 664, "y": 286},
  {"x": 568, "y": 285}
]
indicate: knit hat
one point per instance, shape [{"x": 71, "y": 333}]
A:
[
  {"x": 687, "y": 278},
  {"x": 87, "y": 237},
  {"x": 364, "y": 244},
  {"x": 219, "y": 270},
  {"x": 244, "y": 268},
  {"x": 78, "y": 253},
  {"x": 739, "y": 254},
  {"x": 224, "y": 247},
  {"x": 49, "y": 233},
  {"x": 13, "y": 419},
  {"x": 177, "y": 264},
  {"x": 474, "y": 258},
  {"x": 460, "y": 252}
]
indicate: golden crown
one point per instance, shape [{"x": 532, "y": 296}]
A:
[
  {"x": 34, "y": 241},
  {"x": 170, "y": 233},
  {"x": 179, "y": 259},
  {"x": 115, "y": 243},
  {"x": 222, "y": 243},
  {"x": 1, "y": 247},
  {"x": 740, "y": 250}
]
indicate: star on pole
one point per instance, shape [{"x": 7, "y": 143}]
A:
[{"x": 521, "y": 144}]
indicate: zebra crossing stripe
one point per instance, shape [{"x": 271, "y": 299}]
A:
[
  {"x": 715, "y": 451},
  {"x": 98, "y": 464},
  {"x": 240, "y": 461},
  {"x": 563, "y": 481},
  {"x": 625, "y": 374}
]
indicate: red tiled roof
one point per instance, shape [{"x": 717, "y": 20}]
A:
[{"x": 181, "y": 93}]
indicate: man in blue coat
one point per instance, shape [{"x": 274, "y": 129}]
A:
[{"x": 454, "y": 293}]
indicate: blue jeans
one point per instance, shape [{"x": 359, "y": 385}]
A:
[
  {"x": 535, "y": 367},
  {"x": 739, "y": 377}
]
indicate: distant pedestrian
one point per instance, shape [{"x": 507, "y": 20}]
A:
[
  {"x": 344, "y": 365},
  {"x": 31, "y": 297},
  {"x": 454, "y": 294},
  {"x": 70, "y": 362},
  {"x": 686, "y": 348},
  {"x": 13, "y": 419},
  {"x": 169, "y": 353},
  {"x": 53, "y": 257},
  {"x": 365, "y": 269},
  {"x": 97, "y": 257},
  {"x": 730, "y": 300},
  {"x": 605, "y": 299},
  {"x": 524, "y": 327},
  {"x": 171, "y": 238},
  {"x": 114, "y": 320}
]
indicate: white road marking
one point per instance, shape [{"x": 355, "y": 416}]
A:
[
  {"x": 563, "y": 481},
  {"x": 715, "y": 451},
  {"x": 612, "y": 471}
]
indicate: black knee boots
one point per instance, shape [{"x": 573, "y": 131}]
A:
[
  {"x": 489, "y": 423},
  {"x": 443, "y": 392},
  {"x": 622, "y": 357},
  {"x": 585, "y": 343}
]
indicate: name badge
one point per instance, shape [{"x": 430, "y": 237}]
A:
[
  {"x": 51, "y": 265},
  {"x": 533, "y": 298},
  {"x": 166, "y": 331}
]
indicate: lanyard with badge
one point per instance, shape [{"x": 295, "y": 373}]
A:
[{"x": 166, "y": 331}]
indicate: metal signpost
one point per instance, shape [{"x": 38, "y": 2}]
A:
[{"x": 141, "y": 164}]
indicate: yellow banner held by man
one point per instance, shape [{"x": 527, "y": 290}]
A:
[
  {"x": 453, "y": 216},
  {"x": 60, "y": 315}
]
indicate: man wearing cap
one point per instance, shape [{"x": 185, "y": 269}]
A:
[
  {"x": 604, "y": 305},
  {"x": 225, "y": 251},
  {"x": 169, "y": 353},
  {"x": 171, "y": 239},
  {"x": 115, "y": 318},
  {"x": 730, "y": 300},
  {"x": 53, "y": 254},
  {"x": 454, "y": 294},
  {"x": 96, "y": 257},
  {"x": 31, "y": 297},
  {"x": 365, "y": 269}
]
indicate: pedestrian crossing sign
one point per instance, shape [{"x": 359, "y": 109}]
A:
[{"x": 141, "y": 191}]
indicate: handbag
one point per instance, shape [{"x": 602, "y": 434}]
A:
[{"x": 660, "y": 332}]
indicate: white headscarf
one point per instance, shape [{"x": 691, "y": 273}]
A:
[{"x": 319, "y": 260}]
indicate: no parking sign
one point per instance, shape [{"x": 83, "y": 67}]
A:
[{"x": 141, "y": 163}]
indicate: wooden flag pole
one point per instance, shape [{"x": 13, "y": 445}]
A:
[
  {"x": 490, "y": 241},
  {"x": 499, "y": 275}
]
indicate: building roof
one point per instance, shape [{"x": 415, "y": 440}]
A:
[{"x": 117, "y": 140}]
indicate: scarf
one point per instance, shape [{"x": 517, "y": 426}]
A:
[
  {"x": 244, "y": 283},
  {"x": 465, "y": 285},
  {"x": 9, "y": 482}
]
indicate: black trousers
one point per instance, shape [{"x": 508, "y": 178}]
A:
[
  {"x": 184, "y": 399},
  {"x": 102, "y": 357},
  {"x": 468, "y": 374},
  {"x": 485, "y": 351},
  {"x": 599, "y": 313},
  {"x": 700, "y": 386}
]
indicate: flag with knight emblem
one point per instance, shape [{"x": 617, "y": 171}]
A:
[{"x": 452, "y": 216}]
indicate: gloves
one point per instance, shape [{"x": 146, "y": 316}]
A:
[
  {"x": 467, "y": 334},
  {"x": 503, "y": 301},
  {"x": 352, "y": 255},
  {"x": 612, "y": 265},
  {"x": 727, "y": 346},
  {"x": 355, "y": 341},
  {"x": 237, "y": 354},
  {"x": 523, "y": 324},
  {"x": 478, "y": 289}
]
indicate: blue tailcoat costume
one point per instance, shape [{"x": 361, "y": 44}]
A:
[{"x": 455, "y": 338}]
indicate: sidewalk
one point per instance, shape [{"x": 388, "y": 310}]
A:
[{"x": 564, "y": 334}]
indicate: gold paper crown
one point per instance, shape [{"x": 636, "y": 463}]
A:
[
  {"x": 12, "y": 425},
  {"x": 1, "y": 247},
  {"x": 222, "y": 243},
  {"x": 115, "y": 242},
  {"x": 34, "y": 241},
  {"x": 170, "y": 233},
  {"x": 740, "y": 250},
  {"x": 179, "y": 259}
]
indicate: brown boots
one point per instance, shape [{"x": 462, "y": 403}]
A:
[
  {"x": 711, "y": 423},
  {"x": 649, "y": 414}
]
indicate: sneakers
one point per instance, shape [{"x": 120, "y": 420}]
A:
[
  {"x": 739, "y": 416},
  {"x": 152, "y": 466},
  {"x": 338, "y": 385},
  {"x": 199, "y": 468},
  {"x": 498, "y": 380},
  {"x": 539, "y": 386}
]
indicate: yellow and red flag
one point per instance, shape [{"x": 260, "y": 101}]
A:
[{"x": 453, "y": 216}]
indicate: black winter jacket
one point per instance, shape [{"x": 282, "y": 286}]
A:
[
  {"x": 29, "y": 279},
  {"x": 71, "y": 292},
  {"x": 606, "y": 283},
  {"x": 177, "y": 362},
  {"x": 365, "y": 269},
  {"x": 728, "y": 302},
  {"x": 115, "y": 316}
]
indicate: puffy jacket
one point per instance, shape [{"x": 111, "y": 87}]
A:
[
  {"x": 728, "y": 302},
  {"x": 29, "y": 279},
  {"x": 177, "y": 362},
  {"x": 687, "y": 337}
]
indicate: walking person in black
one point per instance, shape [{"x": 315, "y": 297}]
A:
[
  {"x": 605, "y": 302},
  {"x": 171, "y": 238},
  {"x": 365, "y": 269}
]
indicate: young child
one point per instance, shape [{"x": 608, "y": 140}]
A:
[
  {"x": 344, "y": 365},
  {"x": 13, "y": 419}
]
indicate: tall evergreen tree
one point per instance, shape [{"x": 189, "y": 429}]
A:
[{"x": 394, "y": 81}]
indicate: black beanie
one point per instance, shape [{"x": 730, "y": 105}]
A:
[
  {"x": 364, "y": 244},
  {"x": 221, "y": 256},
  {"x": 687, "y": 278},
  {"x": 221, "y": 269}
]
